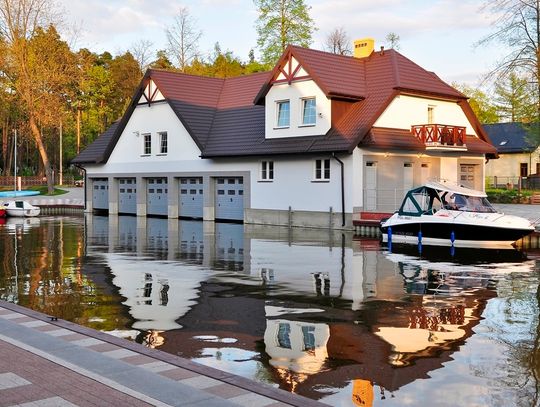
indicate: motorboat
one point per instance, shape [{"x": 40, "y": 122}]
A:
[
  {"x": 21, "y": 209},
  {"x": 443, "y": 213}
]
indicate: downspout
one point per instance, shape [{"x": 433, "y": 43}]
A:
[
  {"x": 85, "y": 183},
  {"x": 342, "y": 188}
]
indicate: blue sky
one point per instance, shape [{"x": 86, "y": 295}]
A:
[{"x": 439, "y": 35}]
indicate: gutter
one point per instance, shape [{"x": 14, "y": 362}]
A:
[{"x": 342, "y": 188}]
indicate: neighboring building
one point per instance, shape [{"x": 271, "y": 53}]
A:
[
  {"x": 316, "y": 141},
  {"x": 519, "y": 157}
]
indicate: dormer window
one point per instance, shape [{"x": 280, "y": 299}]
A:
[
  {"x": 283, "y": 113},
  {"x": 309, "y": 112}
]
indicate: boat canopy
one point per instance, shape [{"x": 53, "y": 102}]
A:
[
  {"x": 434, "y": 196},
  {"x": 421, "y": 200},
  {"x": 447, "y": 186}
]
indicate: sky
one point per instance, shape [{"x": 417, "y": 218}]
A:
[{"x": 439, "y": 35}]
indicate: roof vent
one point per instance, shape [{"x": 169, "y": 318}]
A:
[{"x": 363, "y": 47}]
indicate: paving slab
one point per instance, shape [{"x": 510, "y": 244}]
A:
[{"x": 61, "y": 363}]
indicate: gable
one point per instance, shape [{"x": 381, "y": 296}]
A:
[
  {"x": 290, "y": 70},
  {"x": 153, "y": 120},
  {"x": 405, "y": 111},
  {"x": 151, "y": 93}
]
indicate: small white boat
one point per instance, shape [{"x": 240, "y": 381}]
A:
[
  {"x": 21, "y": 209},
  {"x": 445, "y": 214}
]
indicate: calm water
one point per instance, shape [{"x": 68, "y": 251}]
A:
[{"x": 332, "y": 317}]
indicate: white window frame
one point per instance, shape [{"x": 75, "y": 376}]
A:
[
  {"x": 147, "y": 147},
  {"x": 321, "y": 170},
  {"x": 266, "y": 173},
  {"x": 279, "y": 103},
  {"x": 431, "y": 114},
  {"x": 163, "y": 142},
  {"x": 303, "y": 104}
]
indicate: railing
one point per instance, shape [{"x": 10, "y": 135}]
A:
[
  {"x": 513, "y": 182},
  {"x": 33, "y": 180},
  {"x": 441, "y": 136},
  {"x": 382, "y": 200}
]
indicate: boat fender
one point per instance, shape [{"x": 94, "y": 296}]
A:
[
  {"x": 419, "y": 237},
  {"x": 452, "y": 237}
]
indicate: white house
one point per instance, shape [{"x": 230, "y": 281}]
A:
[
  {"x": 319, "y": 139},
  {"x": 519, "y": 155}
]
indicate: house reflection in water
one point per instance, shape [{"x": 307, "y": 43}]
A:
[{"x": 315, "y": 312}]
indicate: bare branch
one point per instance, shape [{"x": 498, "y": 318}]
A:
[{"x": 183, "y": 38}]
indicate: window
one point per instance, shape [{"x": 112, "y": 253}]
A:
[
  {"x": 322, "y": 170},
  {"x": 308, "y": 112},
  {"x": 147, "y": 143},
  {"x": 523, "y": 169},
  {"x": 163, "y": 144},
  {"x": 267, "y": 171},
  {"x": 430, "y": 111},
  {"x": 308, "y": 333},
  {"x": 283, "y": 335},
  {"x": 283, "y": 113}
]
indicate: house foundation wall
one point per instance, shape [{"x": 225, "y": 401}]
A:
[{"x": 298, "y": 218}]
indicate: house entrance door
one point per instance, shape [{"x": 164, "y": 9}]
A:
[{"x": 371, "y": 186}]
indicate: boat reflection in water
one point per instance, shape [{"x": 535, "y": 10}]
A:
[{"x": 335, "y": 319}]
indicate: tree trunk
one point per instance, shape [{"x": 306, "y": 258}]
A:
[
  {"x": 43, "y": 154},
  {"x": 5, "y": 147}
]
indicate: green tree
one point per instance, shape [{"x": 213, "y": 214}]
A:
[
  {"x": 125, "y": 76},
  {"x": 224, "y": 64},
  {"x": 39, "y": 67},
  {"x": 162, "y": 61},
  {"x": 514, "y": 99},
  {"x": 480, "y": 103},
  {"x": 518, "y": 29},
  {"x": 280, "y": 23}
]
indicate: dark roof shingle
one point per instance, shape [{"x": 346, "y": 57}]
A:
[
  {"x": 222, "y": 117},
  {"x": 510, "y": 137}
]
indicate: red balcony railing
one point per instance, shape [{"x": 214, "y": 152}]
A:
[{"x": 441, "y": 136}]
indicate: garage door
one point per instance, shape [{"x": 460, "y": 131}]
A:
[
  {"x": 191, "y": 197},
  {"x": 230, "y": 198},
  {"x": 157, "y": 200},
  {"x": 127, "y": 195},
  {"x": 100, "y": 193}
]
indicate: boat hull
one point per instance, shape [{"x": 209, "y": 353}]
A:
[
  {"x": 21, "y": 209},
  {"x": 22, "y": 213},
  {"x": 476, "y": 232}
]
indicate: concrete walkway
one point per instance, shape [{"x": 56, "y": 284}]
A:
[{"x": 46, "y": 362}]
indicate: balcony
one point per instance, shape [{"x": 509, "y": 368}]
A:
[{"x": 441, "y": 136}]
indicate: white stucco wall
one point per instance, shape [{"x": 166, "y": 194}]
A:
[
  {"x": 293, "y": 184},
  {"x": 405, "y": 111},
  {"x": 294, "y": 93},
  {"x": 152, "y": 119},
  {"x": 508, "y": 165}
]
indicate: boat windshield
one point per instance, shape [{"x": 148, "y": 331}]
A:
[{"x": 458, "y": 202}]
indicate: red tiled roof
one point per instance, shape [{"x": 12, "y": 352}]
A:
[{"x": 222, "y": 118}]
